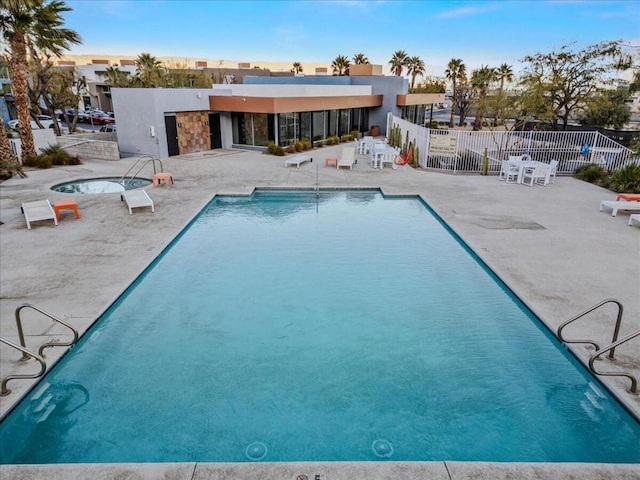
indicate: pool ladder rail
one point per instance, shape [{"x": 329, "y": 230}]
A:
[
  {"x": 615, "y": 342},
  {"x": 146, "y": 159},
  {"x": 26, "y": 353}
]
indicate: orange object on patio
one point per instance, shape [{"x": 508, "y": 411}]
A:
[
  {"x": 329, "y": 160},
  {"x": 629, "y": 197},
  {"x": 158, "y": 178},
  {"x": 65, "y": 205}
]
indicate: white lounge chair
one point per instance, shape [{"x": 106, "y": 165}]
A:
[
  {"x": 38, "y": 210},
  {"x": 297, "y": 160},
  {"x": 347, "y": 158},
  {"x": 634, "y": 219},
  {"x": 615, "y": 206},
  {"x": 137, "y": 199}
]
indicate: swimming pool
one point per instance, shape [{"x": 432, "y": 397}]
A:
[
  {"x": 102, "y": 185},
  {"x": 290, "y": 327}
]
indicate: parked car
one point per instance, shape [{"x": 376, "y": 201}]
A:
[
  {"x": 95, "y": 117},
  {"x": 45, "y": 120},
  {"x": 111, "y": 127}
]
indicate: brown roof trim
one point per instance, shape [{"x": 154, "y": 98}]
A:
[
  {"x": 290, "y": 104},
  {"x": 419, "y": 99}
]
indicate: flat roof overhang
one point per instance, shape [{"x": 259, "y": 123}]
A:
[
  {"x": 419, "y": 99},
  {"x": 239, "y": 103}
]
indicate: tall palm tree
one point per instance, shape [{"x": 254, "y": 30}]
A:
[
  {"x": 415, "y": 67},
  {"x": 297, "y": 67},
  {"x": 398, "y": 62},
  {"x": 456, "y": 72},
  {"x": 149, "y": 70},
  {"x": 32, "y": 24},
  {"x": 480, "y": 80},
  {"x": 116, "y": 77},
  {"x": 360, "y": 59},
  {"x": 504, "y": 73},
  {"x": 340, "y": 65}
]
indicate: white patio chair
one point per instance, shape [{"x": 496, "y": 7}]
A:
[
  {"x": 536, "y": 175},
  {"x": 389, "y": 159},
  {"x": 508, "y": 171},
  {"x": 553, "y": 168}
]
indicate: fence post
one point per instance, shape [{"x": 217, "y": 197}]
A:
[{"x": 485, "y": 162}]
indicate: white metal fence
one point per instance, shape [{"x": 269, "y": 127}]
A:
[{"x": 463, "y": 150}]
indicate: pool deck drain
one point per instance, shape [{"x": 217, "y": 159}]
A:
[{"x": 77, "y": 269}]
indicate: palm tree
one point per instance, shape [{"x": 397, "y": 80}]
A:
[
  {"x": 360, "y": 59},
  {"x": 116, "y": 77},
  {"x": 340, "y": 65},
  {"x": 415, "y": 67},
  {"x": 149, "y": 70},
  {"x": 456, "y": 72},
  {"x": 398, "y": 62},
  {"x": 32, "y": 24},
  {"x": 297, "y": 67},
  {"x": 480, "y": 80},
  {"x": 504, "y": 73}
]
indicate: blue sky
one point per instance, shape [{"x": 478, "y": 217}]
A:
[{"x": 479, "y": 32}]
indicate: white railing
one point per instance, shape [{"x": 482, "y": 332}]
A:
[{"x": 566, "y": 147}]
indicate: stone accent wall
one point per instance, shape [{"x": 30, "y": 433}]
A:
[
  {"x": 193, "y": 132},
  {"x": 96, "y": 146}
]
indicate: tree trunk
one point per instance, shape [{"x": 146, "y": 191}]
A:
[
  {"x": 453, "y": 104},
  {"x": 7, "y": 155},
  {"x": 20, "y": 93}
]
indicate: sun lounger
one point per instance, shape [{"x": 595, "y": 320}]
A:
[
  {"x": 615, "y": 206},
  {"x": 38, "y": 210},
  {"x": 297, "y": 160},
  {"x": 347, "y": 158},
  {"x": 137, "y": 199},
  {"x": 634, "y": 220}
]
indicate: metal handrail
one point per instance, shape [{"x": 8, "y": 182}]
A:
[
  {"x": 148, "y": 159},
  {"x": 43, "y": 367},
  {"x": 44, "y": 345},
  {"x": 589, "y": 310},
  {"x": 634, "y": 382}
]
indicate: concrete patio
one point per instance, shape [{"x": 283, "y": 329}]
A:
[{"x": 551, "y": 245}]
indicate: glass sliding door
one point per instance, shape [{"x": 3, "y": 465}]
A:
[{"x": 319, "y": 126}]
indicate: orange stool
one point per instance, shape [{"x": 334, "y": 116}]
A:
[
  {"x": 158, "y": 178},
  {"x": 329, "y": 160},
  {"x": 65, "y": 205}
]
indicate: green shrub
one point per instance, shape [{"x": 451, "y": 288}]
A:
[
  {"x": 332, "y": 140},
  {"x": 355, "y": 134},
  {"x": 30, "y": 161},
  {"x": 346, "y": 138},
  {"x": 272, "y": 148},
  {"x": 43, "y": 161},
  {"x": 278, "y": 151},
  {"x": 299, "y": 146},
  {"x": 306, "y": 144},
  {"x": 590, "y": 173},
  {"x": 626, "y": 179}
]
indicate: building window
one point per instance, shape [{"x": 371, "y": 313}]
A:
[
  {"x": 288, "y": 128},
  {"x": 319, "y": 126}
]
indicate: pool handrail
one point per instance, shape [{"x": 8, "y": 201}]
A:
[
  {"x": 634, "y": 382},
  {"x": 26, "y": 355},
  {"x": 147, "y": 158},
  {"x": 616, "y": 330}
]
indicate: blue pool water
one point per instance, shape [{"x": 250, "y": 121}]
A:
[{"x": 290, "y": 327}]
